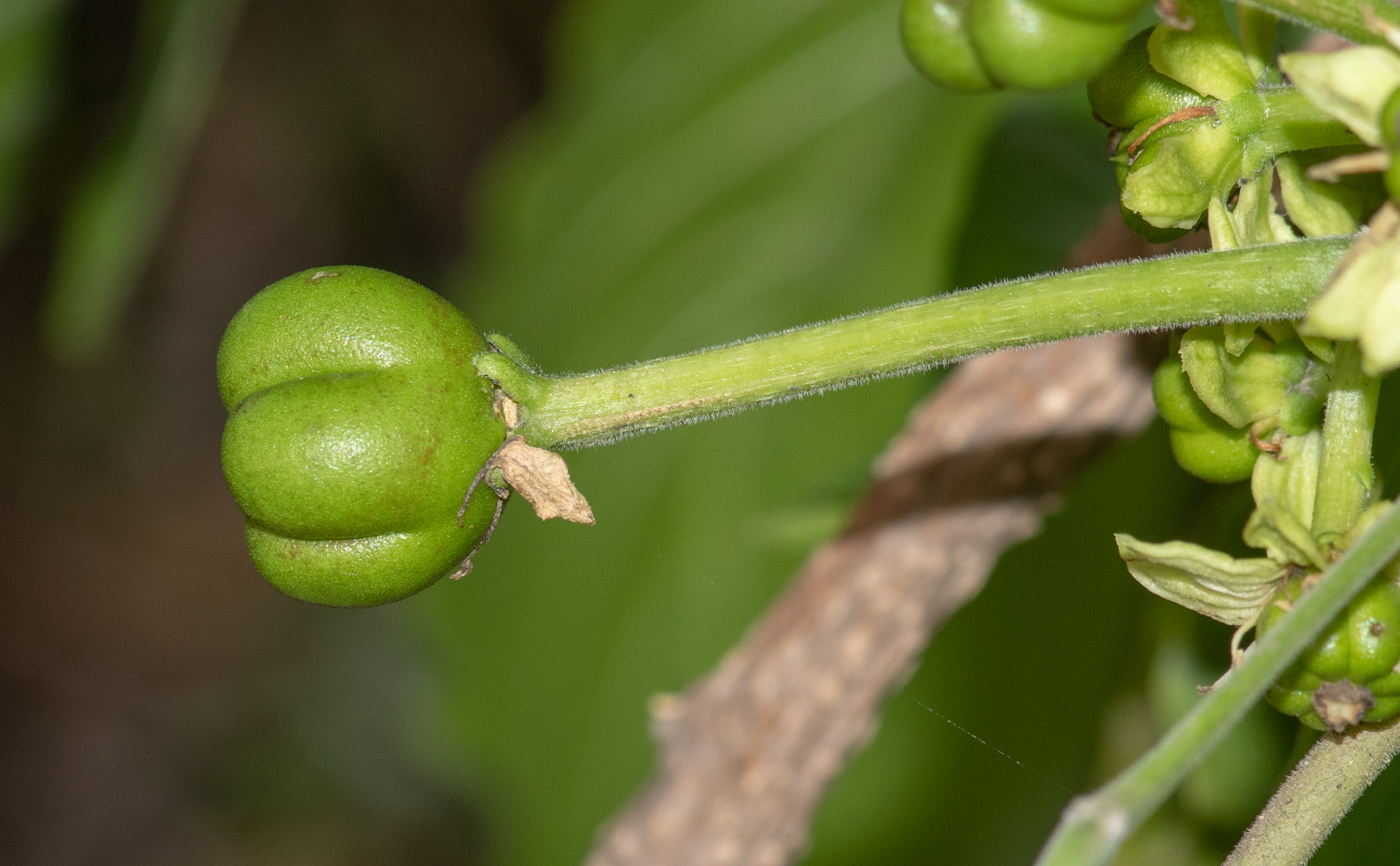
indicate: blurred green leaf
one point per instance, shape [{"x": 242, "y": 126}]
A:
[
  {"x": 113, "y": 223},
  {"x": 29, "y": 31},
  {"x": 711, "y": 169}
]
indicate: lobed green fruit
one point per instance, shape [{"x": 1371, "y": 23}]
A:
[
  {"x": 1201, "y": 441},
  {"x": 978, "y": 45},
  {"x": 356, "y": 423},
  {"x": 1361, "y": 645},
  {"x": 935, "y": 38}
]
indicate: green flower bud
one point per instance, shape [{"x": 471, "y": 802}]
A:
[
  {"x": 1285, "y": 488},
  {"x": 1129, "y": 91},
  {"x": 1279, "y": 382},
  {"x": 357, "y": 421},
  {"x": 1173, "y": 174},
  {"x": 1206, "y": 58},
  {"x": 1362, "y": 647}
]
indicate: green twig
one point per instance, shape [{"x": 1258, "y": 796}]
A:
[
  {"x": 1320, "y": 790},
  {"x": 1093, "y": 826},
  {"x": 1346, "y": 18},
  {"x": 1256, "y": 284}
]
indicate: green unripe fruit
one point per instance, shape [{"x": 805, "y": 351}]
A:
[
  {"x": 1028, "y": 46},
  {"x": 1202, "y": 443},
  {"x": 980, "y": 45},
  {"x": 1129, "y": 91},
  {"x": 356, "y": 423},
  {"x": 935, "y": 38},
  {"x": 1361, "y": 645}
]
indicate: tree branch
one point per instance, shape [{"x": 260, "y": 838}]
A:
[{"x": 748, "y": 751}]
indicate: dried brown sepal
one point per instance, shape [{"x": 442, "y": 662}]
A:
[
  {"x": 1342, "y": 704},
  {"x": 542, "y": 478}
]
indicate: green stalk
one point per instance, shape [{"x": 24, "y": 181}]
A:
[
  {"x": 1346, "y": 18},
  {"x": 1256, "y": 284},
  {"x": 1317, "y": 794},
  {"x": 1093, "y": 826},
  {"x": 1345, "y": 477}
]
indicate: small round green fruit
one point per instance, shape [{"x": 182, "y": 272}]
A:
[
  {"x": 357, "y": 421},
  {"x": 1362, "y": 646},
  {"x": 1201, "y": 441}
]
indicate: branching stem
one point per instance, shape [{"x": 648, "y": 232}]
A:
[
  {"x": 1256, "y": 284},
  {"x": 1093, "y": 826}
]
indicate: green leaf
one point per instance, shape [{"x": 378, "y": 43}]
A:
[
  {"x": 709, "y": 169},
  {"x": 115, "y": 219},
  {"x": 29, "y": 34},
  {"x": 1351, "y": 85},
  {"x": 1207, "y": 581}
]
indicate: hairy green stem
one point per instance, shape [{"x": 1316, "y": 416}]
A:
[
  {"x": 1321, "y": 789},
  {"x": 1094, "y": 826},
  {"x": 1345, "y": 476},
  {"x": 1255, "y": 284},
  {"x": 1344, "y": 17}
]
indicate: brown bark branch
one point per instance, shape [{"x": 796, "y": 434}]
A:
[{"x": 748, "y": 750}]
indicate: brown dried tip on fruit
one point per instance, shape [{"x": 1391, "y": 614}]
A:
[{"x": 1342, "y": 704}]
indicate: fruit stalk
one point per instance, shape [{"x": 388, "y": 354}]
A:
[
  {"x": 1320, "y": 790},
  {"x": 1345, "y": 477},
  {"x": 1255, "y": 284}
]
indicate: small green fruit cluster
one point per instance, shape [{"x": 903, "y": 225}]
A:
[
  {"x": 980, "y": 45},
  {"x": 1214, "y": 390},
  {"x": 357, "y": 421},
  {"x": 1361, "y": 647},
  {"x": 1202, "y": 443}
]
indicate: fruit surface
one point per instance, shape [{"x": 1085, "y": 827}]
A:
[
  {"x": 356, "y": 423},
  {"x": 1201, "y": 441},
  {"x": 980, "y": 45},
  {"x": 1361, "y": 645}
]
